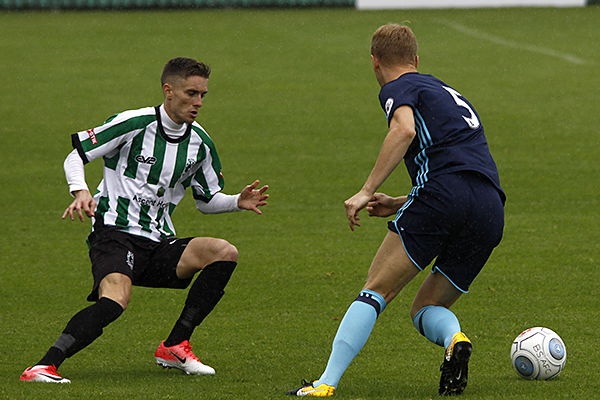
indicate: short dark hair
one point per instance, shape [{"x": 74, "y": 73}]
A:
[{"x": 184, "y": 67}]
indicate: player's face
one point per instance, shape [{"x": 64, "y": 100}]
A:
[{"x": 184, "y": 97}]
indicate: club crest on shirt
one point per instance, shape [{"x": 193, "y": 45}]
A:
[
  {"x": 189, "y": 165},
  {"x": 388, "y": 106}
]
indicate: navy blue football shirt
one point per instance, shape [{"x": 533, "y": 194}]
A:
[{"x": 449, "y": 136}]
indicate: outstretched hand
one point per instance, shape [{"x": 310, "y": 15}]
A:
[
  {"x": 252, "y": 198},
  {"x": 382, "y": 205},
  {"x": 83, "y": 203}
]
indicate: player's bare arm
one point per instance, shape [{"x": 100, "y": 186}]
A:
[
  {"x": 83, "y": 203},
  {"x": 382, "y": 205},
  {"x": 252, "y": 198},
  {"x": 394, "y": 147}
]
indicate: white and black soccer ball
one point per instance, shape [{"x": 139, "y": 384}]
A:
[{"x": 538, "y": 353}]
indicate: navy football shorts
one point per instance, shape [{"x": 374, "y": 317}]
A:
[
  {"x": 456, "y": 219},
  {"x": 144, "y": 261}
]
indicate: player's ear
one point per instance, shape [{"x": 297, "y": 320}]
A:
[
  {"x": 167, "y": 90},
  {"x": 376, "y": 62},
  {"x": 416, "y": 61}
]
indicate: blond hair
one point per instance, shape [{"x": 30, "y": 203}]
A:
[{"x": 394, "y": 44}]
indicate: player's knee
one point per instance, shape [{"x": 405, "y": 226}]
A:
[
  {"x": 120, "y": 298},
  {"x": 123, "y": 301},
  {"x": 224, "y": 251},
  {"x": 116, "y": 287},
  {"x": 216, "y": 250}
]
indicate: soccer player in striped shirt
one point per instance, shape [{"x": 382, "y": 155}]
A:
[
  {"x": 151, "y": 156},
  {"x": 453, "y": 214}
]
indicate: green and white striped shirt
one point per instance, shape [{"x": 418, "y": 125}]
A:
[{"x": 146, "y": 172}]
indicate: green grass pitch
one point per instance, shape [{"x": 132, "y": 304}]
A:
[{"x": 293, "y": 101}]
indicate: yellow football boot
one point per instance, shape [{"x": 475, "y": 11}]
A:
[
  {"x": 307, "y": 389},
  {"x": 455, "y": 367}
]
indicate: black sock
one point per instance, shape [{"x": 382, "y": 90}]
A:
[
  {"x": 81, "y": 330},
  {"x": 203, "y": 296},
  {"x": 54, "y": 356}
]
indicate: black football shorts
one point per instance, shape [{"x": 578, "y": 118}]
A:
[{"x": 144, "y": 261}]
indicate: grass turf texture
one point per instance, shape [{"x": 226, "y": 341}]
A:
[{"x": 293, "y": 102}]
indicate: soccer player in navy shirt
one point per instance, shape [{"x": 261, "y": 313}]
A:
[{"x": 454, "y": 213}]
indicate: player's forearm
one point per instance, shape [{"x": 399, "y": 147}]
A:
[
  {"x": 74, "y": 172},
  {"x": 392, "y": 152},
  {"x": 220, "y": 203}
]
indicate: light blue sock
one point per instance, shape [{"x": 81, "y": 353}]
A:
[
  {"x": 354, "y": 330},
  {"x": 438, "y": 324}
]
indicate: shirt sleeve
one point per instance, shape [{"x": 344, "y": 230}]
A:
[
  {"x": 74, "y": 172},
  {"x": 220, "y": 203},
  {"x": 396, "y": 95},
  {"x": 208, "y": 179},
  {"x": 102, "y": 140}
]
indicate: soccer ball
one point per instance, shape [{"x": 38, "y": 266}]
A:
[{"x": 538, "y": 353}]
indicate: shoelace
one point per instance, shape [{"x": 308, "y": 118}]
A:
[{"x": 188, "y": 351}]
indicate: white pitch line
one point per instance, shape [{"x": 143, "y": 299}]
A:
[{"x": 498, "y": 40}]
